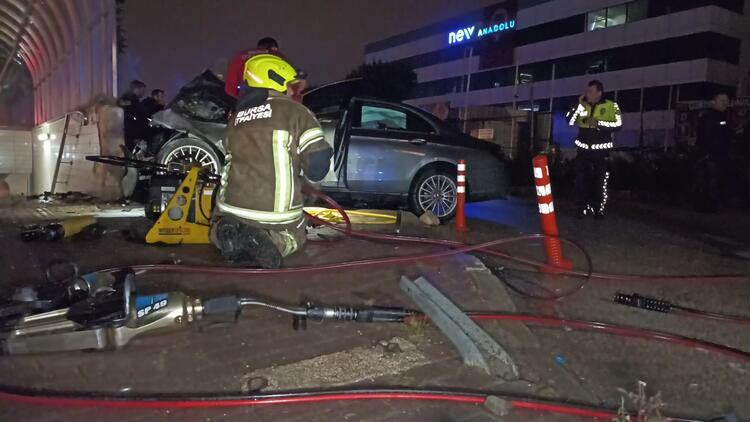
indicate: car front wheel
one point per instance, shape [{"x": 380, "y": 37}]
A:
[
  {"x": 434, "y": 190},
  {"x": 191, "y": 152}
]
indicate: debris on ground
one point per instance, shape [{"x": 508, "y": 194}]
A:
[
  {"x": 498, "y": 406},
  {"x": 67, "y": 197},
  {"x": 429, "y": 219},
  {"x": 646, "y": 408},
  {"x": 254, "y": 384}
]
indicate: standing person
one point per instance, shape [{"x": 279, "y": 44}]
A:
[
  {"x": 714, "y": 143},
  {"x": 274, "y": 145},
  {"x": 134, "y": 114},
  {"x": 234, "y": 77},
  {"x": 597, "y": 119},
  {"x": 746, "y": 141},
  {"x": 154, "y": 103}
]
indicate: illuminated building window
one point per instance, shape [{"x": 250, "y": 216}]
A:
[
  {"x": 616, "y": 15},
  {"x": 596, "y": 20}
]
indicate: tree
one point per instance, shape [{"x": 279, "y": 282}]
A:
[{"x": 391, "y": 81}]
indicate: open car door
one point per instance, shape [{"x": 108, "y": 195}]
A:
[{"x": 330, "y": 104}]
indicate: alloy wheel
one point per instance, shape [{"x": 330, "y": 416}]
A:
[
  {"x": 437, "y": 193},
  {"x": 193, "y": 155}
]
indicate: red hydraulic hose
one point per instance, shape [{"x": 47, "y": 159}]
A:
[
  {"x": 451, "y": 243},
  {"x": 696, "y": 313},
  {"x": 325, "y": 267},
  {"x": 81, "y": 401},
  {"x": 459, "y": 248},
  {"x": 619, "y": 330}
]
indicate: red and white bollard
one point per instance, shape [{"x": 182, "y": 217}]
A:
[
  {"x": 461, "y": 196},
  {"x": 552, "y": 245}
]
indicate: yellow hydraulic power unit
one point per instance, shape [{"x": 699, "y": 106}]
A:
[{"x": 187, "y": 217}]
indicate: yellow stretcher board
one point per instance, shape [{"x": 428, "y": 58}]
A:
[{"x": 187, "y": 217}]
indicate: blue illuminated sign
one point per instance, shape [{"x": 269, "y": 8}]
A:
[{"x": 466, "y": 34}]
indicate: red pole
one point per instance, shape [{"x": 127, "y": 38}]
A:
[
  {"x": 552, "y": 245},
  {"x": 461, "y": 196}
]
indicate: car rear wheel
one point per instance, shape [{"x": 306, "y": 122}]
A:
[
  {"x": 434, "y": 190},
  {"x": 190, "y": 151}
]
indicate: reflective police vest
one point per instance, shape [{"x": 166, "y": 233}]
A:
[{"x": 596, "y": 134}]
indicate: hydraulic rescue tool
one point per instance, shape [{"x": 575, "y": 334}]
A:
[
  {"x": 181, "y": 212},
  {"x": 101, "y": 315}
]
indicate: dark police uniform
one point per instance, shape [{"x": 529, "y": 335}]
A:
[{"x": 594, "y": 143}]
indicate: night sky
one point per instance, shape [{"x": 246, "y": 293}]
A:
[{"x": 170, "y": 41}]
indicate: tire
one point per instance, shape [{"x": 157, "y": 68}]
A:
[
  {"x": 434, "y": 189},
  {"x": 190, "y": 151}
]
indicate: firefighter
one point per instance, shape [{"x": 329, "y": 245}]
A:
[
  {"x": 597, "y": 119},
  {"x": 274, "y": 146}
]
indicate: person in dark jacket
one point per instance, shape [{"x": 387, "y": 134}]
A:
[
  {"x": 233, "y": 84},
  {"x": 714, "y": 142},
  {"x": 233, "y": 80},
  {"x": 135, "y": 122},
  {"x": 154, "y": 103}
]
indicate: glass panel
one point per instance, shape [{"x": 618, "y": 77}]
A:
[
  {"x": 656, "y": 98},
  {"x": 535, "y": 72},
  {"x": 416, "y": 123},
  {"x": 596, "y": 64},
  {"x": 564, "y": 104},
  {"x": 382, "y": 118},
  {"x": 637, "y": 10},
  {"x": 617, "y": 15},
  {"x": 492, "y": 78},
  {"x": 629, "y": 100},
  {"x": 596, "y": 19}
]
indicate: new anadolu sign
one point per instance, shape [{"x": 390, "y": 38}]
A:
[{"x": 471, "y": 32}]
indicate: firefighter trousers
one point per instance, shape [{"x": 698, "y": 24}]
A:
[{"x": 244, "y": 243}]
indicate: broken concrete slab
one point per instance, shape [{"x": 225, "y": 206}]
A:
[
  {"x": 345, "y": 367},
  {"x": 476, "y": 347}
]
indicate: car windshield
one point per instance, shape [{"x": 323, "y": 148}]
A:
[{"x": 331, "y": 97}]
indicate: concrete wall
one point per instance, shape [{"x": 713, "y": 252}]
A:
[
  {"x": 83, "y": 65},
  {"x": 15, "y": 160}
]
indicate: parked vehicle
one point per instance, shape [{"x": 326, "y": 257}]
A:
[{"x": 383, "y": 151}]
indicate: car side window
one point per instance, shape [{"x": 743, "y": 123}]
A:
[
  {"x": 375, "y": 117},
  {"x": 386, "y": 118},
  {"x": 416, "y": 123}
]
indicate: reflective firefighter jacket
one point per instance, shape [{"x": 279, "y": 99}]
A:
[
  {"x": 596, "y": 135},
  {"x": 270, "y": 147}
]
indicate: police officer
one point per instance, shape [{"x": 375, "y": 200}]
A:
[
  {"x": 273, "y": 145},
  {"x": 597, "y": 119}
]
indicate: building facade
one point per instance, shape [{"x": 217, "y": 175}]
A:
[{"x": 492, "y": 66}]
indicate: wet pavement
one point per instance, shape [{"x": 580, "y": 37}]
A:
[{"x": 554, "y": 364}]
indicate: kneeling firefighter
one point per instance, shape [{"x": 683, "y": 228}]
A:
[{"x": 273, "y": 145}]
